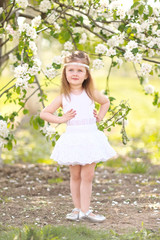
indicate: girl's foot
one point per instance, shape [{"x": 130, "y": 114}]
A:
[
  {"x": 91, "y": 217},
  {"x": 74, "y": 215}
]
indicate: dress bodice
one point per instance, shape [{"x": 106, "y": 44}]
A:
[{"x": 83, "y": 106}]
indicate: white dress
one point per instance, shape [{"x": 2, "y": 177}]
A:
[{"x": 82, "y": 143}]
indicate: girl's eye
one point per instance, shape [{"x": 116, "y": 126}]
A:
[{"x": 79, "y": 70}]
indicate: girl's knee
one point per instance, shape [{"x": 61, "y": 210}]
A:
[
  {"x": 76, "y": 177},
  {"x": 87, "y": 175},
  {"x": 75, "y": 173}
]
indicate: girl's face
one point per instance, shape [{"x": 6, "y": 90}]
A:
[{"x": 76, "y": 75}]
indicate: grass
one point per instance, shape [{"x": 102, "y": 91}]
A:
[
  {"x": 72, "y": 233},
  {"x": 123, "y": 166},
  {"x": 55, "y": 180}
]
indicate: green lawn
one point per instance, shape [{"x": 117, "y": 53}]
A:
[{"x": 72, "y": 233}]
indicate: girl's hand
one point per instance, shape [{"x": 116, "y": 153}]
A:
[
  {"x": 98, "y": 118},
  {"x": 68, "y": 115}
]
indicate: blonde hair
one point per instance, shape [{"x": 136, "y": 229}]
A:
[{"x": 88, "y": 85}]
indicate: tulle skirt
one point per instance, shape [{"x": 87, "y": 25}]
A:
[{"x": 81, "y": 145}]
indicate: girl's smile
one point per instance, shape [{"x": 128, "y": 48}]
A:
[{"x": 75, "y": 74}]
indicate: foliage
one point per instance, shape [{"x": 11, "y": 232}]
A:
[
  {"x": 77, "y": 233},
  {"x": 104, "y": 29}
]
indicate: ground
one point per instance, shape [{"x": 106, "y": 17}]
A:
[{"x": 39, "y": 194}]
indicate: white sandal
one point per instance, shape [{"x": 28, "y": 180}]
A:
[
  {"x": 91, "y": 218},
  {"x": 73, "y": 216}
]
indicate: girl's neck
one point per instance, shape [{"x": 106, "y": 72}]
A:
[{"x": 76, "y": 90}]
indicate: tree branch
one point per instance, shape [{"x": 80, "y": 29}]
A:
[
  {"x": 41, "y": 91},
  {"x": 6, "y": 91},
  {"x": 7, "y": 84}
]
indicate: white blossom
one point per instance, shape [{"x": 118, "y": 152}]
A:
[
  {"x": 158, "y": 32},
  {"x": 33, "y": 70},
  {"x": 51, "y": 17},
  {"x": 12, "y": 57},
  {"x": 145, "y": 68},
  {"x": 68, "y": 45},
  {"x": 129, "y": 56},
  {"x": 16, "y": 36},
  {"x": 36, "y": 21},
  {"x": 22, "y": 3},
  {"x": 3, "y": 129},
  {"x": 119, "y": 61},
  {"x": 21, "y": 70},
  {"x": 31, "y": 32},
  {"x": 151, "y": 53},
  {"x": 1, "y": 10},
  {"x": 48, "y": 130},
  {"x": 33, "y": 47},
  {"x": 83, "y": 38},
  {"x": 37, "y": 62},
  {"x": 2, "y": 142},
  {"x": 115, "y": 4},
  {"x": 80, "y": 2},
  {"x": 57, "y": 60},
  {"x": 114, "y": 41},
  {"x": 104, "y": 3},
  {"x": 100, "y": 49},
  {"x": 111, "y": 52},
  {"x": 22, "y": 82},
  {"x": 131, "y": 45},
  {"x": 121, "y": 12},
  {"x": 138, "y": 58},
  {"x": 45, "y": 5},
  {"x": 98, "y": 64},
  {"x": 149, "y": 89},
  {"x": 50, "y": 72},
  {"x": 65, "y": 54},
  {"x": 57, "y": 27},
  {"x": 145, "y": 80}
]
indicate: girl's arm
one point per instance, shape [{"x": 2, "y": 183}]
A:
[
  {"x": 104, "y": 102},
  {"x": 47, "y": 112}
]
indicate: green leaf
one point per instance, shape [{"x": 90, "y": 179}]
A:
[
  {"x": 40, "y": 121},
  {"x": 35, "y": 124},
  {"x": 141, "y": 9},
  {"x": 25, "y": 111},
  {"x": 136, "y": 3},
  {"x": 64, "y": 36},
  {"x": 114, "y": 15},
  {"x": 31, "y": 80},
  {"x": 21, "y": 104},
  {"x": 150, "y": 10},
  {"x": 121, "y": 27},
  {"x": 9, "y": 145},
  {"x": 18, "y": 90}
]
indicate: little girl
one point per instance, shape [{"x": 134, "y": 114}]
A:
[{"x": 82, "y": 145}]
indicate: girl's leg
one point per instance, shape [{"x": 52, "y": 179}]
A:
[
  {"x": 75, "y": 180},
  {"x": 87, "y": 174}
]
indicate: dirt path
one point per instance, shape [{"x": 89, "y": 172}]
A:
[{"x": 27, "y": 196}]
